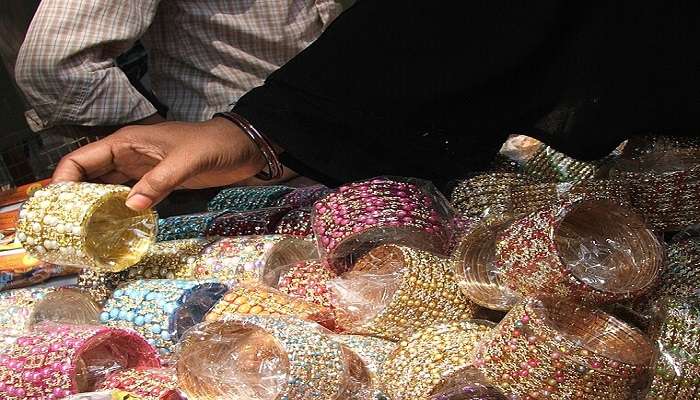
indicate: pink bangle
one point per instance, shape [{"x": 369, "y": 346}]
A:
[
  {"x": 54, "y": 360},
  {"x": 145, "y": 383}
]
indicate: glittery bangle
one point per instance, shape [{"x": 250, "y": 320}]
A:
[
  {"x": 20, "y": 309},
  {"x": 146, "y": 383},
  {"x": 243, "y": 223},
  {"x": 316, "y": 366},
  {"x": 551, "y": 165},
  {"x": 555, "y": 252},
  {"x": 245, "y": 258},
  {"x": 248, "y": 198},
  {"x": 486, "y": 195},
  {"x": 55, "y": 361},
  {"x": 306, "y": 280},
  {"x": 160, "y": 309},
  {"x": 360, "y": 216},
  {"x": 468, "y": 390},
  {"x": 430, "y": 357},
  {"x": 304, "y": 196},
  {"x": 680, "y": 276},
  {"x": 543, "y": 349},
  {"x": 86, "y": 225},
  {"x": 295, "y": 223},
  {"x": 426, "y": 294},
  {"x": 373, "y": 351},
  {"x": 189, "y": 226}
]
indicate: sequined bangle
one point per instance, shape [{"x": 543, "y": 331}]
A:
[
  {"x": 160, "y": 309},
  {"x": 189, "y": 226},
  {"x": 681, "y": 274},
  {"x": 551, "y": 165},
  {"x": 86, "y": 225},
  {"x": 316, "y": 366},
  {"x": 295, "y": 223},
  {"x": 426, "y": 294},
  {"x": 245, "y": 258},
  {"x": 146, "y": 383},
  {"x": 20, "y": 309},
  {"x": 590, "y": 250},
  {"x": 306, "y": 280},
  {"x": 486, "y": 195},
  {"x": 243, "y": 223},
  {"x": 559, "y": 350},
  {"x": 304, "y": 196},
  {"x": 430, "y": 357},
  {"x": 248, "y": 198},
  {"x": 372, "y": 351},
  {"x": 360, "y": 216},
  {"x": 55, "y": 361}
]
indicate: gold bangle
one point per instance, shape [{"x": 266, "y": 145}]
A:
[
  {"x": 551, "y": 165},
  {"x": 372, "y": 351},
  {"x": 486, "y": 195},
  {"x": 86, "y": 225},
  {"x": 681, "y": 275}
]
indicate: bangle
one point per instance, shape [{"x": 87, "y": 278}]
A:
[
  {"x": 273, "y": 163},
  {"x": 681, "y": 275},
  {"x": 431, "y": 357},
  {"x": 560, "y": 350},
  {"x": 103, "y": 395},
  {"x": 21, "y": 309},
  {"x": 85, "y": 224},
  {"x": 486, "y": 195},
  {"x": 304, "y": 196},
  {"x": 245, "y": 258},
  {"x": 248, "y": 198},
  {"x": 295, "y": 223},
  {"x": 55, "y": 361},
  {"x": 590, "y": 250},
  {"x": 160, "y": 309},
  {"x": 243, "y": 223},
  {"x": 469, "y": 390},
  {"x": 145, "y": 383},
  {"x": 306, "y": 280},
  {"x": 373, "y": 352},
  {"x": 190, "y": 226},
  {"x": 360, "y": 216},
  {"x": 550, "y": 165}
]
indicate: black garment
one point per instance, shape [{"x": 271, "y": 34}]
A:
[{"x": 432, "y": 88}]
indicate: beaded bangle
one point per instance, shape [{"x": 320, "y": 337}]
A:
[
  {"x": 360, "y": 216},
  {"x": 160, "y": 309},
  {"x": 86, "y": 225},
  {"x": 681, "y": 275},
  {"x": 373, "y": 352},
  {"x": 146, "y": 383},
  {"x": 316, "y": 368},
  {"x": 430, "y": 357},
  {"x": 189, "y": 226},
  {"x": 590, "y": 250},
  {"x": 562, "y": 351},
  {"x": 295, "y": 223},
  {"x": 551, "y": 165},
  {"x": 248, "y": 198},
  {"x": 486, "y": 195},
  {"x": 306, "y": 280},
  {"x": 426, "y": 293},
  {"x": 55, "y": 361},
  {"x": 20, "y": 309},
  {"x": 245, "y": 258},
  {"x": 242, "y": 223},
  {"x": 304, "y": 196}
]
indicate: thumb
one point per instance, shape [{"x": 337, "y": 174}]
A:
[{"x": 155, "y": 185}]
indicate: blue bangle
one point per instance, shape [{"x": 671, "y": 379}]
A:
[{"x": 248, "y": 198}]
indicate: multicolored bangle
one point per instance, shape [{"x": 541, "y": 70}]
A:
[
  {"x": 161, "y": 309},
  {"x": 486, "y": 195},
  {"x": 20, "y": 309},
  {"x": 550, "y": 165},
  {"x": 86, "y": 225},
  {"x": 146, "y": 383},
  {"x": 559, "y": 350},
  {"x": 431, "y": 357},
  {"x": 190, "y": 226},
  {"x": 304, "y": 196},
  {"x": 360, "y": 216},
  {"x": 306, "y": 280},
  {"x": 55, "y": 361},
  {"x": 245, "y": 258},
  {"x": 242, "y": 223},
  {"x": 590, "y": 250},
  {"x": 372, "y": 351},
  {"x": 295, "y": 223},
  {"x": 248, "y": 198},
  {"x": 681, "y": 275}
]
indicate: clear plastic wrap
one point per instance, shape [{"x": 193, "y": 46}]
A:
[
  {"x": 469, "y": 385},
  {"x": 161, "y": 309},
  {"x": 589, "y": 250},
  {"x": 360, "y": 216},
  {"x": 245, "y": 258},
  {"x": 145, "y": 383},
  {"x": 263, "y": 358},
  {"x": 304, "y": 196},
  {"x": 487, "y": 196},
  {"x": 394, "y": 290},
  {"x": 104, "y": 395},
  {"x": 21, "y": 309},
  {"x": 86, "y": 225},
  {"x": 190, "y": 226},
  {"x": 306, "y": 280},
  {"x": 58, "y": 360},
  {"x": 245, "y": 223},
  {"x": 248, "y": 198}
]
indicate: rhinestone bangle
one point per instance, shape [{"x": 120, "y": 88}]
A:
[
  {"x": 145, "y": 383},
  {"x": 248, "y": 198},
  {"x": 242, "y": 223},
  {"x": 189, "y": 226}
]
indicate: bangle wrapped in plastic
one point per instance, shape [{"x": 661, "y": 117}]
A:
[
  {"x": 374, "y": 352},
  {"x": 190, "y": 226},
  {"x": 86, "y": 225},
  {"x": 681, "y": 274},
  {"x": 161, "y": 309},
  {"x": 486, "y": 195},
  {"x": 295, "y": 223},
  {"x": 304, "y": 196},
  {"x": 306, "y": 280},
  {"x": 103, "y": 395},
  {"x": 248, "y": 198},
  {"x": 245, "y": 258},
  {"x": 551, "y": 165},
  {"x": 145, "y": 383},
  {"x": 590, "y": 250},
  {"x": 243, "y": 223},
  {"x": 431, "y": 357},
  {"x": 21, "y": 309},
  {"x": 544, "y": 349},
  {"x": 469, "y": 385},
  {"x": 55, "y": 361}
]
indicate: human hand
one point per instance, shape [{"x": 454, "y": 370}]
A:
[{"x": 164, "y": 157}]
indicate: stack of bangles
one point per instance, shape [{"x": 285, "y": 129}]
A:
[
  {"x": 304, "y": 196},
  {"x": 145, "y": 383},
  {"x": 550, "y": 165},
  {"x": 306, "y": 280},
  {"x": 249, "y": 198},
  {"x": 295, "y": 223},
  {"x": 469, "y": 389},
  {"x": 243, "y": 223},
  {"x": 190, "y": 226},
  {"x": 559, "y": 351},
  {"x": 486, "y": 195},
  {"x": 589, "y": 250},
  {"x": 681, "y": 275}
]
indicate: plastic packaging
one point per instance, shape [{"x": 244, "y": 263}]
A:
[
  {"x": 190, "y": 226},
  {"x": 104, "y": 395},
  {"x": 245, "y": 258},
  {"x": 295, "y": 223},
  {"x": 86, "y": 225},
  {"x": 248, "y": 198},
  {"x": 394, "y": 290},
  {"x": 262, "y": 358},
  {"x": 145, "y": 383},
  {"x": 561, "y": 351},
  {"x": 589, "y": 250},
  {"x": 161, "y": 309},
  {"x": 469, "y": 385},
  {"x": 486, "y": 196},
  {"x": 21, "y": 309},
  {"x": 40, "y": 273},
  {"x": 361, "y": 216},
  {"x": 304, "y": 196},
  {"x": 681, "y": 274},
  {"x": 243, "y": 223},
  {"x": 57, "y": 360},
  {"x": 306, "y": 280}
]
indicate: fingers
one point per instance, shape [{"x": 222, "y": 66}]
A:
[
  {"x": 89, "y": 161},
  {"x": 165, "y": 177}
]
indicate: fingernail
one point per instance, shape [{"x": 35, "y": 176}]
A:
[{"x": 138, "y": 202}]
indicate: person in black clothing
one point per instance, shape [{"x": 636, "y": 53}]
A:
[{"x": 432, "y": 89}]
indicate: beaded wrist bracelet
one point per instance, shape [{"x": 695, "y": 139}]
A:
[
  {"x": 295, "y": 223},
  {"x": 681, "y": 275},
  {"x": 486, "y": 195},
  {"x": 146, "y": 383},
  {"x": 243, "y": 223},
  {"x": 306, "y": 280},
  {"x": 304, "y": 196},
  {"x": 373, "y": 351},
  {"x": 551, "y": 165},
  {"x": 189, "y": 226},
  {"x": 248, "y": 198}
]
